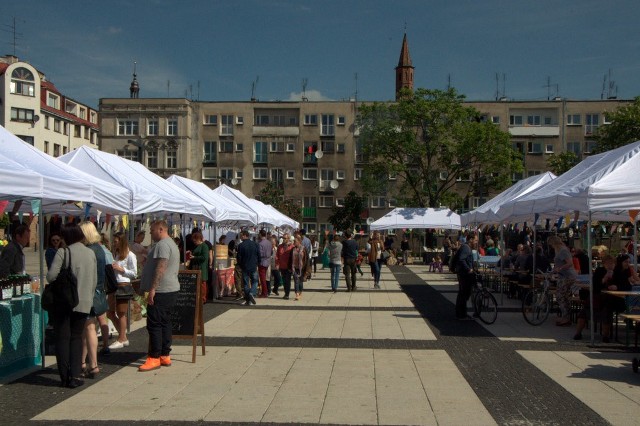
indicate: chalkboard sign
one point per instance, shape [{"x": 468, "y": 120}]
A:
[{"x": 183, "y": 315}]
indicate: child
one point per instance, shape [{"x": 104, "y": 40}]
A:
[
  {"x": 436, "y": 265},
  {"x": 359, "y": 260}
]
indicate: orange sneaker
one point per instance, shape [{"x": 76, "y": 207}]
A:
[
  {"x": 150, "y": 364},
  {"x": 165, "y": 361}
]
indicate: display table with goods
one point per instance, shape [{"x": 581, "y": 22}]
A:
[{"x": 20, "y": 325}]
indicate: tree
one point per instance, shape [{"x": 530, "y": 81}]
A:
[
  {"x": 560, "y": 163},
  {"x": 428, "y": 141},
  {"x": 273, "y": 194},
  {"x": 350, "y": 214},
  {"x": 623, "y": 127}
]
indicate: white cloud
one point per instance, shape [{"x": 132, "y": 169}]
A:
[
  {"x": 312, "y": 95},
  {"x": 114, "y": 30}
]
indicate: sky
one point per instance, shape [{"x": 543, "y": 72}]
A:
[{"x": 226, "y": 50}]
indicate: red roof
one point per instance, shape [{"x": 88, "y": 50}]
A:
[{"x": 3, "y": 68}]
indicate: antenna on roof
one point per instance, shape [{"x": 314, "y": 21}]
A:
[
  {"x": 254, "y": 86},
  {"x": 15, "y": 35},
  {"x": 611, "y": 88},
  {"x": 304, "y": 89},
  {"x": 549, "y": 86},
  {"x": 500, "y": 95},
  {"x": 168, "y": 88},
  {"x": 356, "y": 94}
]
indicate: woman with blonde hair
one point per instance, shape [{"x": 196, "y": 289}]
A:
[
  {"x": 89, "y": 337},
  {"x": 126, "y": 268},
  {"x": 563, "y": 266},
  {"x": 374, "y": 252}
]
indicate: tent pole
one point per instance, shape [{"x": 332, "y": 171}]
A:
[
  {"x": 591, "y": 324},
  {"x": 502, "y": 253},
  {"x": 40, "y": 256},
  {"x": 635, "y": 243}
]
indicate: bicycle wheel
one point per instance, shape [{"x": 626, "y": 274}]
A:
[
  {"x": 486, "y": 307},
  {"x": 536, "y": 306}
]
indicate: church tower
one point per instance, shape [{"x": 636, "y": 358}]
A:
[{"x": 404, "y": 70}]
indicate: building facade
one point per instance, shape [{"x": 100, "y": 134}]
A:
[{"x": 36, "y": 111}]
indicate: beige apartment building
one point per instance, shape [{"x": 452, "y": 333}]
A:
[
  {"x": 32, "y": 108},
  {"x": 312, "y": 148}
]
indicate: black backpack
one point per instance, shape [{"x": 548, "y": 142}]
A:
[
  {"x": 61, "y": 295},
  {"x": 453, "y": 262}
]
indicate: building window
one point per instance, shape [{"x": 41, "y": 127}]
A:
[
  {"x": 340, "y": 174},
  {"x": 309, "y": 174},
  {"x": 46, "y": 123},
  {"x": 27, "y": 139},
  {"x": 309, "y": 202},
  {"x": 575, "y": 148},
  {"x": 83, "y": 113},
  {"x": 310, "y": 228},
  {"x": 21, "y": 114},
  {"x": 76, "y": 131},
  {"x": 226, "y": 174},
  {"x": 65, "y": 128},
  {"x": 341, "y": 120},
  {"x": 392, "y": 202},
  {"x": 260, "y": 173},
  {"x": 495, "y": 119},
  {"x": 291, "y": 147},
  {"x": 261, "y": 120},
  {"x": 534, "y": 148},
  {"x": 310, "y": 120},
  {"x": 172, "y": 127},
  {"x": 310, "y": 148},
  {"x": 64, "y": 150},
  {"x": 326, "y": 176},
  {"x": 56, "y": 150},
  {"x": 533, "y": 173},
  {"x": 291, "y": 174},
  {"x": 548, "y": 148},
  {"x": 547, "y": 121},
  {"x": 172, "y": 158},
  {"x": 226, "y": 129},
  {"x": 87, "y": 132},
  {"x": 357, "y": 174},
  {"x": 239, "y": 174},
  {"x": 211, "y": 119},
  {"x": 46, "y": 147},
  {"x": 515, "y": 120},
  {"x": 340, "y": 148},
  {"x": 589, "y": 146},
  {"x": 239, "y": 147},
  {"x": 22, "y": 82},
  {"x": 277, "y": 175},
  {"x": 56, "y": 125},
  {"x": 574, "y": 120},
  {"x": 277, "y": 147},
  {"x": 240, "y": 120},
  {"x": 515, "y": 177},
  {"x": 533, "y": 120},
  {"x": 378, "y": 202},
  {"x": 328, "y": 147},
  {"x": 153, "y": 128},
  {"x": 127, "y": 154},
  {"x": 326, "y": 201},
  {"x": 209, "y": 173},
  {"x": 339, "y": 202},
  {"x": 591, "y": 123},
  {"x": 210, "y": 152},
  {"x": 53, "y": 101},
  {"x": 260, "y": 152},
  {"x": 226, "y": 146},
  {"x": 152, "y": 159},
  {"x": 328, "y": 126},
  {"x": 127, "y": 127}
]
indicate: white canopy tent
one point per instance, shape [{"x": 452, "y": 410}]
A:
[
  {"x": 488, "y": 212},
  {"x": 236, "y": 213},
  {"x": 265, "y": 216},
  {"x": 409, "y": 217},
  {"x": 27, "y": 173},
  {"x": 151, "y": 193},
  {"x": 286, "y": 222}
]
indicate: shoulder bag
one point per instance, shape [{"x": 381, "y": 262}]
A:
[{"x": 61, "y": 295}]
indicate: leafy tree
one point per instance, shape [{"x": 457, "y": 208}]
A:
[
  {"x": 623, "y": 129},
  {"x": 350, "y": 215},
  {"x": 560, "y": 163},
  {"x": 429, "y": 140},
  {"x": 273, "y": 194}
]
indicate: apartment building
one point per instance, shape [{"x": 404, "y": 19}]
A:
[{"x": 32, "y": 108}]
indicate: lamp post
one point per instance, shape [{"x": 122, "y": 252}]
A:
[{"x": 140, "y": 145}]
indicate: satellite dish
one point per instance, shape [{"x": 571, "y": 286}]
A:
[
  {"x": 370, "y": 220},
  {"x": 234, "y": 181},
  {"x": 319, "y": 154},
  {"x": 334, "y": 184},
  {"x": 36, "y": 118}
]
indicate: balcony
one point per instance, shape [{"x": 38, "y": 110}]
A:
[
  {"x": 534, "y": 130},
  {"x": 310, "y": 160},
  {"x": 325, "y": 186},
  {"x": 309, "y": 213}
]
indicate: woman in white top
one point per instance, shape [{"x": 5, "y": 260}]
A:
[
  {"x": 125, "y": 266},
  {"x": 315, "y": 248}
]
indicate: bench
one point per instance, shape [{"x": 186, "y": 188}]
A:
[{"x": 630, "y": 319}]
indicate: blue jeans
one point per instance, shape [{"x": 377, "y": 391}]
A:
[
  {"x": 250, "y": 281},
  {"x": 375, "y": 270},
  {"x": 297, "y": 281},
  {"x": 335, "y": 275}
]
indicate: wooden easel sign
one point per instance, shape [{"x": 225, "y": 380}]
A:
[{"x": 187, "y": 321}]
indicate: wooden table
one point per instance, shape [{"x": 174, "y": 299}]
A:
[{"x": 625, "y": 295}]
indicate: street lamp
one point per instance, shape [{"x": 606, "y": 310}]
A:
[{"x": 140, "y": 145}]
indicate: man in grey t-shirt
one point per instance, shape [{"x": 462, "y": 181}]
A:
[{"x": 160, "y": 279}]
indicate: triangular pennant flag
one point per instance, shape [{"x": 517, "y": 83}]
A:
[
  {"x": 633, "y": 214},
  {"x": 3, "y": 206}
]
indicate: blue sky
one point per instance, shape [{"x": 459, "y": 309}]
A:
[{"x": 87, "y": 48}]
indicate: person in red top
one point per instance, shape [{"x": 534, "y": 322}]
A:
[{"x": 283, "y": 260}]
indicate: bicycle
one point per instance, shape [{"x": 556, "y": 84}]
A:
[
  {"x": 485, "y": 306},
  {"x": 537, "y": 303}
]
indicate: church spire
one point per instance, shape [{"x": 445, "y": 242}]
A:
[{"x": 404, "y": 70}]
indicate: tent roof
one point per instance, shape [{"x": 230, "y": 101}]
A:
[
  {"x": 151, "y": 193},
  {"x": 236, "y": 213},
  {"x": 487, "y": 213},
  {"x": 264, "y": 214},
  {"x": 606, "y": 183},
  {"x": 29, "y": 173},
  {"x": 408, "y": 217}
]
